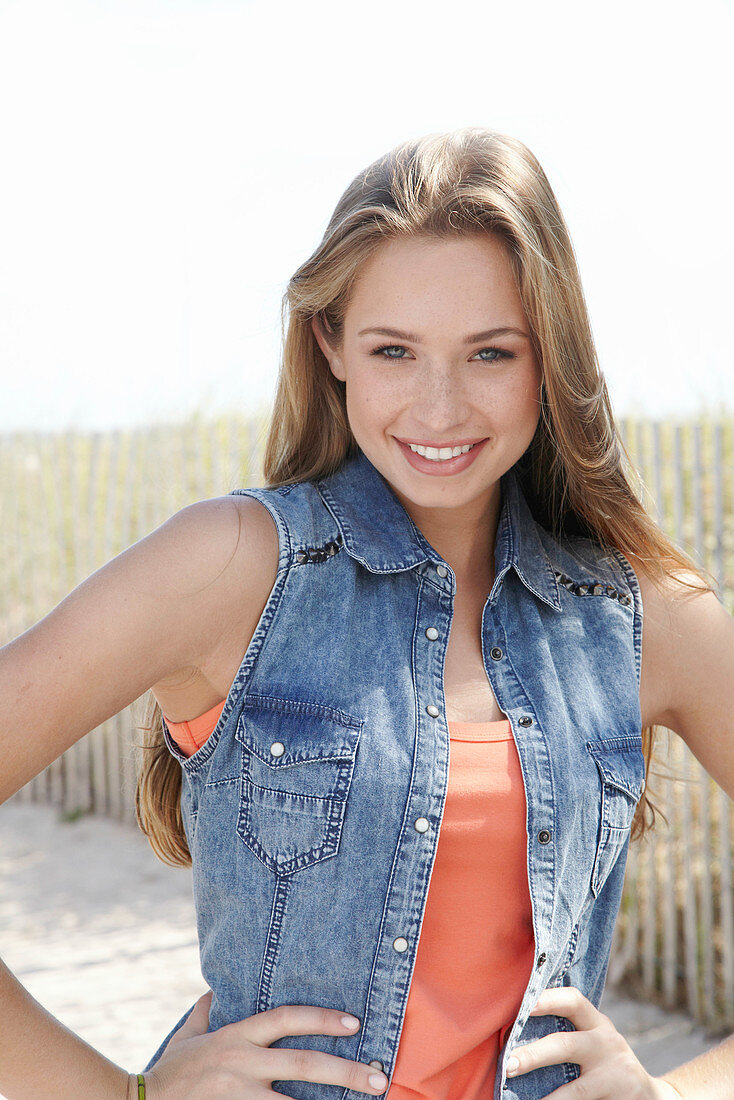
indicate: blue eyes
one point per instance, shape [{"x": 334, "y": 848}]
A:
[{"x": 498, "y": 353}]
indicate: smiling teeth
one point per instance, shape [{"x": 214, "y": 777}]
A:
[{"x": 436, "y": 454}]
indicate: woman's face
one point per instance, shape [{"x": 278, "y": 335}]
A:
[{"x": 443, "y": 378}]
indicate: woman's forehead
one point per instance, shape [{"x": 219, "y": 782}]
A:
[{"x": 407, "y": 284}]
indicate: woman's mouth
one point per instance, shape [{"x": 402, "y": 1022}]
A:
[{"x": 440, "y": 460}]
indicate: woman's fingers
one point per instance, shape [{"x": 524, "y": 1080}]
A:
[
  {"x": 551, "y": 1050},
  {"x": 560, "y": 1046},
  {"x": 265, "y": 1027},
  {"x": 287, "y": 1064},
  {"x": 566, "y": 1000},
  {"x": 284, "y": 1064},
  {"x": 237, "y": 1060},
  {"x": 609, "y": 1067}
]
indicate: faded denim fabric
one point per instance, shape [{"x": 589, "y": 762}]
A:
[{"x": 299, "y": 810}]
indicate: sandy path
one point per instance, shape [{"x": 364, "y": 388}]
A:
[{"x": 103, "y": 934}]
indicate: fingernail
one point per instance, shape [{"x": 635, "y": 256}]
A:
[
  {"x": 377, "y": 1080},
  {"x": 513, "y": 1064},
  {"x": 350, "y": 1021}
]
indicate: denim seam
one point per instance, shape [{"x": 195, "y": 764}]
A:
[
  {"x": 272, "y": 942},
  {"x": 255, "y": 700},
  {"x": 634, "y": 585}
]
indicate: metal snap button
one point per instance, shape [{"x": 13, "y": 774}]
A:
[
  {"x": 433, "y": 711},
  {"x": 277, "y": 748},
  {"x": 541, "y": 959},
  {"x": 431, "y": 633},
  {"x": 421, "y": 824},
  {"x": 544, "y": 836},
  {"x": 495, "y": 653},
  {"x": 376, "y": 1064},
  {"x": 524, "y": 720},
  {"x": 400, "y": 944},
  {"x": 442, "y": 571}
]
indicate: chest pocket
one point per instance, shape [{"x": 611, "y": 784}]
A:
[
  {"x": 297, "y": 765},
  {"x": 621, "y": 767}
]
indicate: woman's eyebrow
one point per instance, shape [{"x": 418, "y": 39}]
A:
[{"x": 474, "y": 338}]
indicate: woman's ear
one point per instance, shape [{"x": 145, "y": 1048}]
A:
[{"x": 332, "y": 357}]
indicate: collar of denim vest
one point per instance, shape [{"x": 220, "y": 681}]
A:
[{"x": 379, "y": 533}]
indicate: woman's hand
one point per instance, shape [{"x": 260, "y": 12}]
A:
[
  {"x": 609, "y": 1067},
  {"x": 236, "y": 1060}
]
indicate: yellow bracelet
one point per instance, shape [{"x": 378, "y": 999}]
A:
[{"x": 141, "y": 1087}]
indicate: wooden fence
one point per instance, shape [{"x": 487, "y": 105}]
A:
[{"x": 71, "y": 501}]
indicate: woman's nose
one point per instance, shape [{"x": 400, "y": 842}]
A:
[{"x": 439, "y": 398}]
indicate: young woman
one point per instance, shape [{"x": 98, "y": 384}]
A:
[{"x": 430, "y": 623}]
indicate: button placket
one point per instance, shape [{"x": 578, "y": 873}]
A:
[
  {"x": 498, "y": 669},
  {"x": 434, "y": 602}
]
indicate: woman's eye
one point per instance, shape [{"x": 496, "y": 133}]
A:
[
  {"x": 389, "y": 347},
  {"x": 497, "y": 353}
]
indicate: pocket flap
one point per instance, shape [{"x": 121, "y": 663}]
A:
[
  {"x": 299, "y": 731},
  {"x": 621, "y": 763}
]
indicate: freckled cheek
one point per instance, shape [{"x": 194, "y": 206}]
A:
[
  {"x": 367, "y": 403},
  {"x": 517, "y": 409},
  {"x": 526, "y": 396}
]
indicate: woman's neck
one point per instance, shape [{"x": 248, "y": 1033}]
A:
[{"x": 463, "y": 537}]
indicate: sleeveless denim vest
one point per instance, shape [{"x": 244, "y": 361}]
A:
[{"x": 305, "y": 809}]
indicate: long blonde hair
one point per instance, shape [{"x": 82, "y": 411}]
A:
[{"x": 471, "y": 180}]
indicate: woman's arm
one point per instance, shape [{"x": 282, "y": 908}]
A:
[
  {"x": 39, "y": 1057},
  {"x": 710, "y": 1076},
  {"x": 687, "y": 682},
  {"x": 160, "y": 606},
  {"x": 688, "y": 670}
]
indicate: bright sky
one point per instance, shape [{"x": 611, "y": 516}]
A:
[{"x": 167, "y": 164}]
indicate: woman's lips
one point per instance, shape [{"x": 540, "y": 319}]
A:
[{"x": 440, "y": 469}]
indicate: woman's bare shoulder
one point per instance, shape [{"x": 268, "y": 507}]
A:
[
  {"x": 687, "y": 682},
  {"x": 232, "y": 550}
]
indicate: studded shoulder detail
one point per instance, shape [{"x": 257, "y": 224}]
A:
[
  {"x": 593, "y": 588},
  {"x": 320, "y": 553}
]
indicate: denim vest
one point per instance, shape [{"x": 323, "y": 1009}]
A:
[{"x": 305, "y": 810}]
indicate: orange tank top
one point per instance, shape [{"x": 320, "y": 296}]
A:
[{"x": 476, "y": 947}]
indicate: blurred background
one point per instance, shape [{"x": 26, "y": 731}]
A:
[{"x": 166, "y": 166}]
